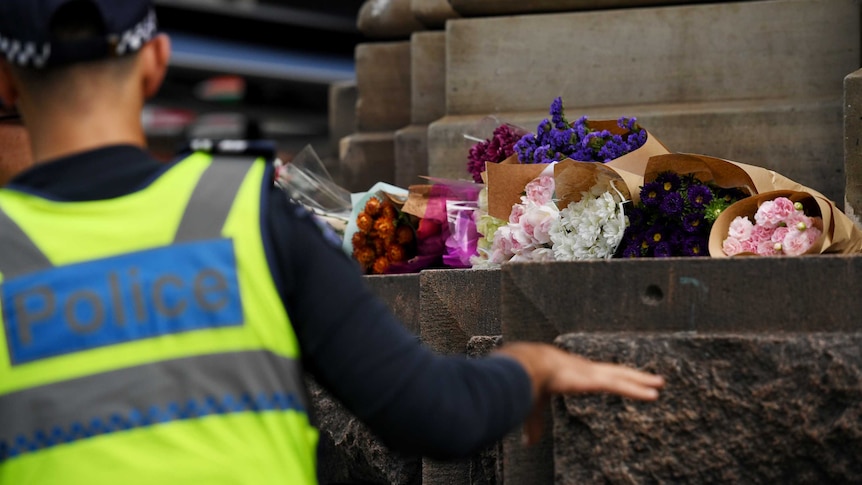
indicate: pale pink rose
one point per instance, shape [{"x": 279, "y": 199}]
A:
[
  {"x": 498, "y": 257},
  {"x": 772, "y": 212},
  {"x": 540, "y": 190},
  {"x": 538, "y": 221},
  {"x": 760, "y": 234},
  {"x": 504, "y": 241},
  {"x": 740, "y": 228},
  {"x": 750, "y": 246},
  {"x": 731, "y": 246},
  {"x": 542, "y": 254},
  {"x": 768, "y": 248},
  {"x": 780, "y": 233},
  {"x": 521, "y": 238},
  {"x": 796, "y": 243},
  {"x": 517, "y": 211}
]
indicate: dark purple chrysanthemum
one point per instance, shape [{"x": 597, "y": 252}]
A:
[
  {"x": 671, "y": 204},
  {"x": 652, "y": 194},
  {"x": 699, "y": 195},
  {"x": 694, "y": 222},
  {"x": 695, "y": 246},
  {"x": 669, "y": 181},
  {"x": 663, "y": 249}
]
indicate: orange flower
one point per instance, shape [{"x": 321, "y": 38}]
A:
[
  {"x": 380, "y": 265},
  {"x": 364, "y": 255},
  {"x": 372, "y": 207},
  {"x": 385, "y": 228},
  {"x": 389, "y": 211},
  {"x": 403, "y": 234},
  {"x": 364, "y": 222},
  {"x": 396, "y": 253},
  {"x": 359, "y": 239},
  {"x": 379, "y": 245}
]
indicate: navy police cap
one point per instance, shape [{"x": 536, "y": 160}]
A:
[{"x": 26, "y": 39}]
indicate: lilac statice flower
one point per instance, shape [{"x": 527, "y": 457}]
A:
[{"x": 577, "y": 140}]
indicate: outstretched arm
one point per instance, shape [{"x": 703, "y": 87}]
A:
[{"x": 555, "y": 371}]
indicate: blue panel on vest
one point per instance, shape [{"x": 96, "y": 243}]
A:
[{"x": 121, "y": 299}]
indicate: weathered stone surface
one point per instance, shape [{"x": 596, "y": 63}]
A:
[
  {"x": 348, "y": 451},
  {"x": 770, "y": 408},
  {"x": 800, "y": 139},
  {"x": 342, "y": 110},
  {"x": 474, "y": 8},
  {"x": 387, "y": 19},
  {"x": 459, "y": 314},
  {"x": 428, "y": 62},
  {"x": 457, "y": 304},
  {"x": 411, "y": 155},
  {"x": 383, "y": 85},
  {"x": 367, "y": 158},
  {"x": 401, "y": 294},
  {"x": 852, "y": 145},
  {"x": 433, "y": 13},
  {"x": 715, "y": 52}
]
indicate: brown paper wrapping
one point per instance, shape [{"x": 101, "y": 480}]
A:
[
  {"x": 839, "y": 234},
  {"x": 507, "y": 180}
]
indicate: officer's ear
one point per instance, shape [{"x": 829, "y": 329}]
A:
[
  {"x": 154, "y": 63},
  {"x": 8, "y": 91}
]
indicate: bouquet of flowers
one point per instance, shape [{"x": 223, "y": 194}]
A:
[
  {"x": 780, "y": 227},
  {"x": 384, "y": 236},
  {"x": 674, "y": 216}
]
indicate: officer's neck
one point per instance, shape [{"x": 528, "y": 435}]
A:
[{"x": 63, "y": 132}]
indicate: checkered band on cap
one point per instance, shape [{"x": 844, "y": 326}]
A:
[{"x": 38, "y": 55}]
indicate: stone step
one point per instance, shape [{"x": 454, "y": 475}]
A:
[
  {"x": 428, "y": 77},
  {"x": 853, "y": 143},
  {"x": 433, "y": 14},
  {"x": 758, "y": 298},
  {"x": 754, "y": 50},
  {"x": 383, "y": 86},
  {"x": 365, "y": 159},
  {"x": 800, "y": 139},
  {"x": 411, "y": 155},
  {"x": 477, "y": 8}
]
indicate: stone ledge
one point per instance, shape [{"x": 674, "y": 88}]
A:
[
  {"x": 772, "y": 408},
  {"x": 480, "y": 8},
  {"x": 720, "y": 52}
]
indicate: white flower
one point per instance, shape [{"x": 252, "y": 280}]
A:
[{"x": 591, "y": 228}]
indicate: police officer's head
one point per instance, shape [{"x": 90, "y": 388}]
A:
[{"x": 60, "y": 47}]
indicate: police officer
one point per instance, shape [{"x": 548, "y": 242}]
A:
[{"x": 158, "y": 318}]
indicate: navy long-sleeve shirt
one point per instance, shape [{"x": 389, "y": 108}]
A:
[{"x": 415, "y": 400}]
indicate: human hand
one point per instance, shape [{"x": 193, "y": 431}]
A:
[{"x": 555, "y": 371}]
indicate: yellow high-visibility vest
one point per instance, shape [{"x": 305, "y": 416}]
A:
[{"x": 144, "y": 340}]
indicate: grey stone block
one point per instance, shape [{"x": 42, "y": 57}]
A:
[
  {"x": 456, "y": 305},
  {"x": 459, "y": 314},
  {"x": 853, "y": 143},
  {"x": 342, "y": 110},
  {"x": 401, "y": 294},
  {"x": 677, "y": 54},
  {"x": 476, "y": 8},
  {"x": 348, "y": 451},
  {"x": 757, "y": 294},
  {"x": 428, "y": 61},
  {"x": 411, "y": 155},
  {"x": 800, "y": 139},
  {"x": 367, "y": 158},
  {"x": 383, "y": 85},
  {"x": 541, "y": 301},
  {"x": 433, "y": 13},
  {"x": 767, "y": 408},
  {"x": 387, "y": 19}
]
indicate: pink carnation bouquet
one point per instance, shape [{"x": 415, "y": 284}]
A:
[{"x": 780, "y": 227}]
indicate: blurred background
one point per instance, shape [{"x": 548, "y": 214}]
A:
[{"x": 252, "y": 69}]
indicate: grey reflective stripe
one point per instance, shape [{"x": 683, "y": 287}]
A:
[
  {"x": 139, "y": 396},
  {"x": 212, "y": 199},
  {"x": 19, "y": 255}
]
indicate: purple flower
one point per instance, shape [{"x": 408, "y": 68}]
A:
[
  {"x": 652, "y": 194},
  {"x": 699, "y": 195},
  {"x": 663, "y": 249},
  {"x": 671, "y": 204}
]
